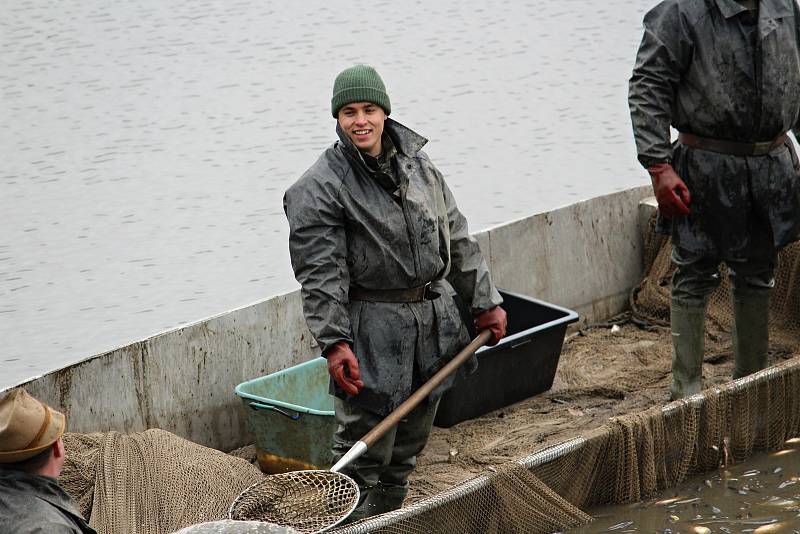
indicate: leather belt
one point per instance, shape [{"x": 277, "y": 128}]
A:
[
  {"x": 413, "y": 294},
  {"x": 732, "y": 148}
]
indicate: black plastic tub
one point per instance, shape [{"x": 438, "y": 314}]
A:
[{"x": 520, "y": 366}]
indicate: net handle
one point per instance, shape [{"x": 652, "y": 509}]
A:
[{"x": 410, "y": 403}]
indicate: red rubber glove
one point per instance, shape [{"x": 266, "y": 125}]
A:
[
  {"x": 343, "y": 368},
  {"x": 671, "y": 192},
  {"x": 495, "y": 320}
]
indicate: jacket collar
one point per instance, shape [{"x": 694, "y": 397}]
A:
[
  {"x": 767, "y": 9},
  {"x": 45, "y": 488},
  {"x": 406, "y": 140}
]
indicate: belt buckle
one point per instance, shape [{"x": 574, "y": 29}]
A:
[
  {"x": 762, "y": 147},
  {"x": 428, "y": 293}
]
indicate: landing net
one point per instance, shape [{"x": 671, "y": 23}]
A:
[{"x": 307, "y": 501}]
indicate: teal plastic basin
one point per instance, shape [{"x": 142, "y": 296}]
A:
[{"x": 290, "y": 414}]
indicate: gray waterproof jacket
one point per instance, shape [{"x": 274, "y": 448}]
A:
[
  {"x": 350, "y": 227},
  {"x": 705, "y": 68},
  {"x": 34, "y": 504}
]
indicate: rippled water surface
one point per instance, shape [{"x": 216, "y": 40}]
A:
[{"x": 146, "y": 145}]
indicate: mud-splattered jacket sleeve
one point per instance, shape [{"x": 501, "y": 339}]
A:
[
  {"x": 469, "y": 274},
  {"x": 317, "y": 249},
  {"x": 663, "y": 55},
  {"x": 796, "y": 129}
]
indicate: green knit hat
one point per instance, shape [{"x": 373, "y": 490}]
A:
[{"x": 359, "y": 83}]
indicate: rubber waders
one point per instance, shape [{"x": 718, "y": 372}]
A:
[
  {"x": 750, "y": 331},
  {"x": 688, "y": 326},
  {"x": 385, "y": 498}
]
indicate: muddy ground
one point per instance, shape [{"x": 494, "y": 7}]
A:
[{"x": 607, "y": 370}]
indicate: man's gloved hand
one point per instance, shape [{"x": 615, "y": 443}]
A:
[
  {"x": 495, "y": 320},
  {"x": 671, "y": 192},
  {"x": 343, "y": 368}
]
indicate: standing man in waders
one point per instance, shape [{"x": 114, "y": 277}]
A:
[
  {"x": 726, "y": 75},
  {"x": 378, "y": 246}
]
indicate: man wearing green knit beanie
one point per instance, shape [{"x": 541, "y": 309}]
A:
[{"x": 380, "y": 248}]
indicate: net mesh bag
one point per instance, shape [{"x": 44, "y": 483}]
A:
[
  {"x": 307, "y": 501},
  {"x": 509, "y": 499},
  {"x": 151, "y": 482}
]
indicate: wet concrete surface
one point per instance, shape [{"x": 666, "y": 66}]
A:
[
  {"x": 759, "y": 496},
  {"x": 147, "y": 145}
]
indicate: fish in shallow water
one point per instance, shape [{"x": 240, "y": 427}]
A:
[
  {"x": 782, "y": 503},
  {"x": 619, "y": 526},
  {"x": 769, "y": 529}
]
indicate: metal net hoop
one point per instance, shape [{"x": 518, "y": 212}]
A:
[{"x": 308, "y": 501}]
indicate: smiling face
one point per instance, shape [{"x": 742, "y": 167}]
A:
[{"x": 363, "y": 124}]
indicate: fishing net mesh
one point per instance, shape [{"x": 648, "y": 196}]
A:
[
  {"x": 151, "y": 482},
  {"x": 308, "y": 501},
  {"x": 154, "y": 482}
]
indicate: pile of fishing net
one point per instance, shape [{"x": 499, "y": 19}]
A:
[{"x": 150, "y": 482}]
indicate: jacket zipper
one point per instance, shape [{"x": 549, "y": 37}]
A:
[{"x": 410, "y": 228}]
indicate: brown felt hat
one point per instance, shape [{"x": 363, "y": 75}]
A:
[{"x": 27, "y": 426}]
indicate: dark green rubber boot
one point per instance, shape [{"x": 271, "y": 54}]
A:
[
  {"x": 688, "y": 327},
  {"x": 750, "y": 331}
]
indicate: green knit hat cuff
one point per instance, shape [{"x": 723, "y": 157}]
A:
[{"x": 360, "y": 83}]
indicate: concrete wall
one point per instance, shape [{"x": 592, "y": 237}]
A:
[{"x": 585, "y": 256}]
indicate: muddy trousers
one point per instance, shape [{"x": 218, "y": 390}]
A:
[
  {"x": 696, "y": 277},
  {"x": 382, "y": 472}
]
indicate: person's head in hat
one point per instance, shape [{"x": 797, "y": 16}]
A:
[
  {"x": 361, "y": 104},
  {"x": 30, "y": 435}
]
